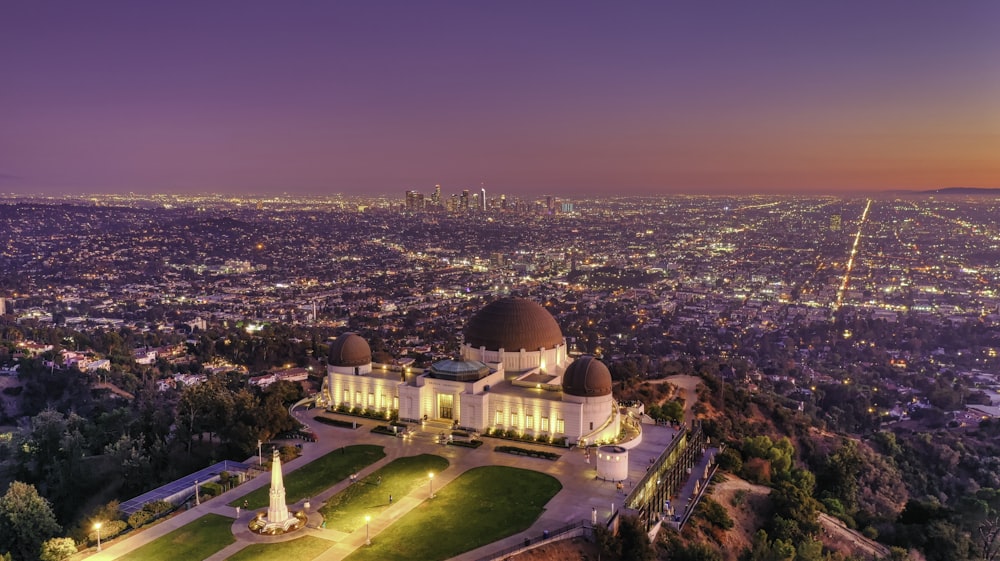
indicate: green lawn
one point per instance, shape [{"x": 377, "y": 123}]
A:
[
  {"x": 196, "y": 540},
  {"x": 483, "y": 505},
  {"x": 301, "y": 549},
  {"x": 318, "y": 475},
  {"x": 346, "y": 510}
]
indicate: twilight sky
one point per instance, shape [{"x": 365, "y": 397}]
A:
[{"x": 535, "y": 96}]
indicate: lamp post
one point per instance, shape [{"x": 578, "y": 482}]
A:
[
  {"x": 197, "y": 498},
  {"x": 97, "y": 526},
  {"x": 368, "y": 536},
  {"x": 430, "y": 485},
  {"x": 260, "y": 459}
]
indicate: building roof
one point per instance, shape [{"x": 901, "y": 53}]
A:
[
  {"x": 459, "y": 370},
  {"x": 587, "y": 377},
  {"x": 350, "y": 349},
  {"x": 513, "y": 324}
]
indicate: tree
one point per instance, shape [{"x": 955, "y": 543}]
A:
[
  {"x": 634, "y": 540},
  {"x": 58, "y": 549},
  {"x": 28, "y": 521}
]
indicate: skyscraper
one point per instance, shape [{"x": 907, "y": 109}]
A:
[
  {"x": 482, "y": 200},
  {"x": 436, "y": 199}
]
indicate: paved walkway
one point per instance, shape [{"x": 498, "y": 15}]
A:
[{"x": 581, "y": 494}]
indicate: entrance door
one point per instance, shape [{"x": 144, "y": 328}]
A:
[{"x": 445, "y": 405}]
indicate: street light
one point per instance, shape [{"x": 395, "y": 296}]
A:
[
  {"x": 97, "y": 526},
  {"x": 368, "y": 536},
  {"x": 260, "y": 460},
  {"x": 430, "y": 485},
  {"x": 197, "y": 498}
]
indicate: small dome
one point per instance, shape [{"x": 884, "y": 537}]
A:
[
  {"x": 513, "y": 324},
  {"x": 350, "y": 349},
  {"x": 459, "y": 370},
  {"x": 587, "y": 377}
]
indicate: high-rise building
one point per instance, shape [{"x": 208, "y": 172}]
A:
[
  {"x": 482, "y": 200},
  {"x": 465, "y": 199},
  {"x": 835, "y": 223},
  {"x": 436, "y": 199},
  {"x": 414, "y": 200}
]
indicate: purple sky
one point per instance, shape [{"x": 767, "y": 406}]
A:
[{"x": 529, "y": 97}]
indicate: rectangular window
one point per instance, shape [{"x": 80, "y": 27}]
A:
[
  {"x": 371, "y": 399},
  {"x": 395, "y": 402},
  {"x": 381, "y": 398},
  {"x": 529, "y": 421},
  {"x": 498, "y": 418},
  {"x": 347, "y": 396},
  {"x": 357, "y": 398},
  {"x": 560, "y": 426},
  {"x": 513, "y": 420},
  {"x": 545, "y": 424}
]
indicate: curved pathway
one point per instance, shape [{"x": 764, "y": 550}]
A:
[{"x": 581, "y": 492}]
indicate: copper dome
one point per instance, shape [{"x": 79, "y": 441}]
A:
[
  {"x": 587, "y": 377},
  {"x": 350, "y": 349},
  {"x": 513, "y": 324}
]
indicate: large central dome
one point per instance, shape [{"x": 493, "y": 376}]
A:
[{"x": 513, "y": 324}]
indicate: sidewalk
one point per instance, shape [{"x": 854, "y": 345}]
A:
[{"x": 581, "y": 492}]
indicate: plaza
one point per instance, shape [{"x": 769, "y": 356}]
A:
[{"x": 581, "y": 495}]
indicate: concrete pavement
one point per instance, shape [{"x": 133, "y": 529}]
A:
[{"x": 581, "y": 492}]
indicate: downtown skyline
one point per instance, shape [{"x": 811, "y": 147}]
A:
[{"x": 558, "y": 97}]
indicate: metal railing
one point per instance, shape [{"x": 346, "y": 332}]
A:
[{"x": 546, "y": 537}]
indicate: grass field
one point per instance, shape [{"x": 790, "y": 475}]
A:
[
  {"x": 301, "y": 549},
  {"x": 196, "y": 540},
  {"x": 481, "y": 506},
  {"x": 318, "y": 475},
  {"x": 346, "y": 510}
]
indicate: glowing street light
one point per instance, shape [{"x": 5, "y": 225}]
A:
[
  {"x": 97, "y": 526},
  {"x": 368, "y": 536},
  {"x": 430, "y": 485}
]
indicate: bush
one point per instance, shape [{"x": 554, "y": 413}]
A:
[
  {"x": 140, "y": 518},
  {"x": 466, "y": 444},
  {"x": 157, "y": 507},
  {"x": 526, "y": 452},
  {"x": 715, "y": 514},
  {"x": 108, "y": 530},
  {"x": 211, "y": 489},
  {"x": 58, "y": 549},
  {"x": 337, "y": 422}
]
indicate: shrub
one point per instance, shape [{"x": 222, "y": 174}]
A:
[
  {"x": 108, "y": 530},
  {"x": 337, "y": 422},
  {"x": 715, "y": 514},
  {"x": 57, "y": 549},
  {"x": 140, "y": 518},
  {"x": 157, "y": 507},
  {"x": 211, "y": 489}
]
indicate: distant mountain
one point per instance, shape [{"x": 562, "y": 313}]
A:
[
  {"x": 984, "y": 191},
  {"x": 963, "y": 191}
]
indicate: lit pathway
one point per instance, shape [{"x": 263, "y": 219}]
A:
[{"x": 581, "y": 491}]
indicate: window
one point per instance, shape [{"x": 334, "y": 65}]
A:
[
  {"x": 513, "y": 420},
  {"x": 347, "y": 396},
  {"x": 498, "y": 418},
  {"x": 395, "y": 402},
  {"x": 529, "y": 421},
  {"x": 371, "y": 399},
  {"x": 560, "y": 426},
  {"x": 381, "y": 399},
  {"x": 545, "y": 424},
  {"x": 357, "y": 397},
  {"x": 592, "y": 425}
]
